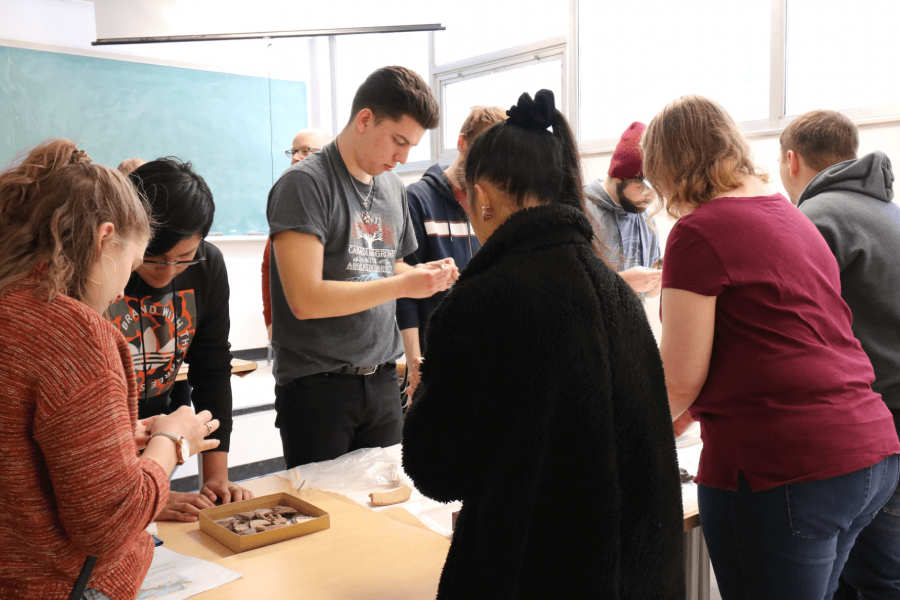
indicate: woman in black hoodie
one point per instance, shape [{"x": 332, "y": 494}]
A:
[{"x": 542, "y": 404}]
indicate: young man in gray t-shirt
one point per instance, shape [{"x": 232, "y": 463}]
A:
[{"x": 340, "y": 228}]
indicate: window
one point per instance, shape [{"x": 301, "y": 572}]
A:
[
  {"x": 356, "y": 56},
  {"x": 476, "y": 27},
  {"x": 496, "y": 89},
  {"x": 631, "y": 66},
  {"x": 840, "y": 55}
]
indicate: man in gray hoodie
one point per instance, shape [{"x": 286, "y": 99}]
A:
[
  {"x": 849, "y": 200},
  {"x": 617, "y": 206}
]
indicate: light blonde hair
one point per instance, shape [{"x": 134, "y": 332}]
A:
[
  {"x": 694, "y": 152},
  {"x": 479, "y": 119},
  {"x": 51, "y": 205},
  {"x": 130, "y": 164}
]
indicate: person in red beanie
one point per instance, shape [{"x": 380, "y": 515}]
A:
[{"x": 617, "y": 206}]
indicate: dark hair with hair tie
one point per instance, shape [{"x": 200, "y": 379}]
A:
[
  {"x": 523, "y": 159},
  {"x": 539, "y": 113}
]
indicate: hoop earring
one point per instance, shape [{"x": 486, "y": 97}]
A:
[
  {"x": 115, "y": 270},
  {"x": 486, "y": 214}
]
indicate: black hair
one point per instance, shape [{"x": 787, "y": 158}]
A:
[
  {"x": 391, "y": 92},
  {"x": 523, "y": 159},
  {"x": 181, "y": 202}
]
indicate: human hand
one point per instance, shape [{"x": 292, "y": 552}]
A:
[
  {"x": 427, "y": 279},
  {"x": 269, "y": 331},
  {"x": 184, "y": 507},
  {"x": 217, "y": 488},
  {"x": 682, "y": 423},
  {"x": 192, "y": 427},
  {"x": 413, "y": 375},
  {"x": 142, "y": 432},
  {"x": 446, "y": 263},
  {"x": 642, "y": 279}
]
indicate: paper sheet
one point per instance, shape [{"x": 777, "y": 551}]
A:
[{"x": 176, "y": 576}]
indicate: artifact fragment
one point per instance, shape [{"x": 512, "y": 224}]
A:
[
  {"x": 263, "y": 519},
  {"x": 393, "y": 497}
]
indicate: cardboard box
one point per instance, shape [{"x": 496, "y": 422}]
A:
[{"x": 240, "y": 543}]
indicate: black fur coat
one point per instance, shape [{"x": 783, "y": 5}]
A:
[{"x": 543, "y": 407}]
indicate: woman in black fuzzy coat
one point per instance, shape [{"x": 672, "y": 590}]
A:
[{"x": 542, "y": 404}]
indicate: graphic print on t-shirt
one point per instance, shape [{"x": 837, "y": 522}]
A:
[
  {"x": 371, "y": 247},
  {"x": 149, "y": 327}
]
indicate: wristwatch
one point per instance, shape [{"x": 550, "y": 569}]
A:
[{"x": 182, "y": 446}]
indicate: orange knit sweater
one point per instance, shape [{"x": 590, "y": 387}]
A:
[{"x": 73, "y": 484}]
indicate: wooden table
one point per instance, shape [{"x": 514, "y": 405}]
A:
[
  {"x": 387, "y": 555},
  {"x": 239, "y": 367},
  {"x": 365, "y": 554}
]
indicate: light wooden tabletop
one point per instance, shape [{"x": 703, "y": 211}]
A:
[{"x": 364, "y": 554}]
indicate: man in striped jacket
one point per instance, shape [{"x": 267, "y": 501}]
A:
[{"x": 439, "y": 211}]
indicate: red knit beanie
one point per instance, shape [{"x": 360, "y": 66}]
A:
[{"x": 626, "y": 160}]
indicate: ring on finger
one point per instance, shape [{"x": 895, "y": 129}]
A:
[{"x": 209, "y": 427}]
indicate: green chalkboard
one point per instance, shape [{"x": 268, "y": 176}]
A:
[{"x": 115, "y": 109}]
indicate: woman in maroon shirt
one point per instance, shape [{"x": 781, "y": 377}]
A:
[{"x": 799, "y": 453}]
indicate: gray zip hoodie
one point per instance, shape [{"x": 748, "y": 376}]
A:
[
  {"x": 610, "y": 220},
  {"x": 851, "y": 204}
]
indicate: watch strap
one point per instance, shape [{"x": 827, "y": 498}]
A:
[{"x": 175, "y": 438}]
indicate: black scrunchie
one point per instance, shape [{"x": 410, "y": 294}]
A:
[{"x": 539, "y": 113}]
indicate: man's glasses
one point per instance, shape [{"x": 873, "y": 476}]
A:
[
  {"x": 304, "y": 150},
  {"x": 174, "y": 263}
]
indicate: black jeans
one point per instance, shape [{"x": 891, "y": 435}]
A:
[{"x": 324, "y": 416}]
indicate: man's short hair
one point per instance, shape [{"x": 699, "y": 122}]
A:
[
  {"x": 822, "y": 137},
  {"x": 391, "y": 92},
  {"x": 479, "y": 119}
]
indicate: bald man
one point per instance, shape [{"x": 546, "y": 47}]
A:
[{"x": 306, "y": 142}]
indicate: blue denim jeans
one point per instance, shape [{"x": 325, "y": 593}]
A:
[
  {"x": 790, "y": 542},
  {"x": 92, "y": 594},
  {"x": 873, "y": 567}
]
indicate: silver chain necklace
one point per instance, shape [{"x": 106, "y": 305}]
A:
[{"x": 362, "y": 201}]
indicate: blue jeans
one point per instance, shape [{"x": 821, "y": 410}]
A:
[
  {"x": 790, "y": 542},
  {"x": 873, "y": 567},
  {"x": 92, "y": 594}
]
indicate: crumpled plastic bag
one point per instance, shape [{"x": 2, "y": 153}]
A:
[{"x": 355, "y": 471}]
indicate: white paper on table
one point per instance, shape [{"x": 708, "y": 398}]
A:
[
  {"x": 176, "y": 576},
  {"x": 151, "y": 528}
]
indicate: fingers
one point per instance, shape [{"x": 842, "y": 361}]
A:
[
  {"x": 174, "y": 515},
  {"x": 210, "y": 425},
  {"x": 141, "y": 438},
  {"x": 197, "y": 502},
  {"x": 203, "y": 416},
  {"x": 238, "y": 494},
  {"x": 206, "y": 491},
  {"x": 205, "y": 445}
]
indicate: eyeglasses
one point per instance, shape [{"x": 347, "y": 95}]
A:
[
  {"x": 173, "y": 263},
  {"x": 304, "y": 150}
]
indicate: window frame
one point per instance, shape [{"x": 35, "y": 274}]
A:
[
  {"x": 567, "y": 50},
  {"x": 548, "y": 49}
]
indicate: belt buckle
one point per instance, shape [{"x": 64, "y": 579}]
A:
[{"x": 365, "y": 371}]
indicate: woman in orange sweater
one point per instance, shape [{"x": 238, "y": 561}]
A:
[{"x": 75, "y": 489}]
